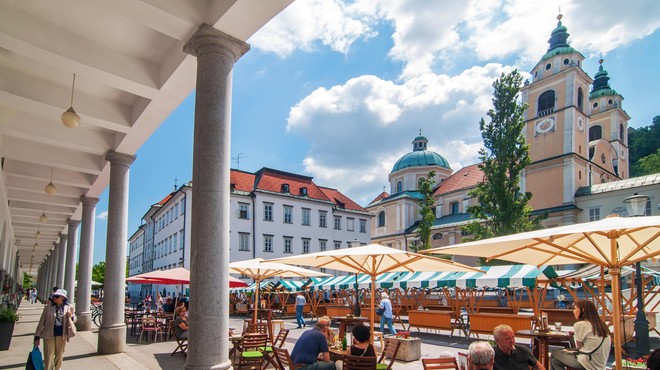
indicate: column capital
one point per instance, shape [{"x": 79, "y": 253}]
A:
[
  {"x": 120, "y": 158},
  {"x": 89, "y": 201},
  {"x": 73, "y": 223},
  {"x": 210, "y": 40}
]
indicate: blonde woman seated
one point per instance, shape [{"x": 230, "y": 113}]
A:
[{"x": 327, "y": 331}]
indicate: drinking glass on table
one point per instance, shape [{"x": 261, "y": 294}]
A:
[{"x": 557, "y": 326}]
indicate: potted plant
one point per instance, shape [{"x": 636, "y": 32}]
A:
[
  {"x": 8, "y": 318},
  {"x": 409, "y": 348}
]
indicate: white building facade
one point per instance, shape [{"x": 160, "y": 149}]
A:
[{"x": 274, "y": 214}]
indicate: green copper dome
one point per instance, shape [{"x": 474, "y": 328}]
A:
[
  {"x": 601, "y": 84},
  {"x": 558, "y": 41},
  {"x": 420, "y": 157}
]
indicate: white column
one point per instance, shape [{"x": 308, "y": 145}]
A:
[
  {"x": 216, "y": 54},
  {"x": 54, "y": 254},
  {"x": 112, "y": 334},
  {"x": 61, "y": 261},
  {"x": 84, "y": 291},
  {"x": 70, "y": 272}
]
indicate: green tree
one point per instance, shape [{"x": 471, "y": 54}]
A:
[
  {"x": 27, "y": 280},
  {"x": 426, "y": 211},
  {"x": 643, "y": 142},
  {"x": 98, "y": 272},
  {"x": 647, "y": 165},
  {"x": 502, "y": 208}
]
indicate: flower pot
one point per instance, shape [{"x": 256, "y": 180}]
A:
[
  {"x": 410, "y": 349},
  {"x": 6, "y": 332}
]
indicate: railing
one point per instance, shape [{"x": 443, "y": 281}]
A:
[{"x": 546, "y": 112}]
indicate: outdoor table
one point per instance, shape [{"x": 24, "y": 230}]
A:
[
  {"x": 236, "y": 345},
  {"x": 343, "y": 321},
  {"x": 543, "y": 338},
  {"x": 133, "y": 318},
  {"x": 337, "y": 354}
]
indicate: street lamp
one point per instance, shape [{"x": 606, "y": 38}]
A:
[{"x": 636, "y": 206}]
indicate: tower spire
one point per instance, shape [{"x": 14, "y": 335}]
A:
[{"x": 559, "y": 36}]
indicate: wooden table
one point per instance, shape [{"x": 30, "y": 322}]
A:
[
  {"x": 343, "y": 321},
  {"x": 337, "y": 354},
  {"x": 543, "y": 339}
]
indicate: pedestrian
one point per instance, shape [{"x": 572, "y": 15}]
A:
[
  {"x": 300, "y": 304},
  {"x": 386, "y": 317},
  {"x": 56, "y": 327},
  {"x": 159, "y": 303}
]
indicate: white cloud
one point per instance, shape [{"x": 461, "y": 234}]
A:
[
  {"x": 304, "y": 24},
  {"x": 359, "y": 129},
  {"x": 102, "y": 216},
  {"x": 429, "y": 34}
]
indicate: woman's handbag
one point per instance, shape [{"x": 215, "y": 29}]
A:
[
  {"x": 380, "y": 311},
  {"x": 35, "y": 361}
]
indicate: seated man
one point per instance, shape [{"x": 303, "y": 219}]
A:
[
  {"x": 168, "y": 306},
  {"x": 310, "y": 345},
  {"x": 512, "y": 356},
  {"x": 481, "y": 356}
]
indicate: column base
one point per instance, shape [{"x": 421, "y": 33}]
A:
[
  {"x": 112, "y": 340},
  {"x": 221, "y": 366},
  {"x": 84, "y": 322}
]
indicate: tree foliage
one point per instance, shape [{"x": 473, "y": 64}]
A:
[
  {"x": 502, "y": 208},
  {"x": 426, "y": 212},
  {"x": 644, "y": 142},
  {"x": 27, "y": 280},
  {"x": 98, "y": 272},
  {"x": 647, "y": 165}
]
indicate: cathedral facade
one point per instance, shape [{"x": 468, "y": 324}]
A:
[{"x": 576, "y": 129}]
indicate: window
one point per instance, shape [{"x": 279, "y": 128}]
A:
[
  {"x": 303, "y": 191},
  {"x": 174, "y": 243},
  {"x": 381, "y": 218},
  {"x": 181, "y": 239},
  {"x": 548, "y": 66},
  {"x": 243, "y": 241},
  {"x": 322, "y": 245},
  {"x": 306, "y": 216},
  {"x": 363, "y": 226},
  {"x": 546, "y": 103},
  {"x": 399, "y": 186},
  {"x": 454, "y": 208},
  {"x": 288, "y": 214},
  {"x": 323, "y": 218},
  {"x": 183, "y": 209},
  {"x": 350, "y": 224},
  {"x": 176, "y": 211},
  {"x": 243, "y": 211},
  {"x": 285, "y": 188},
  {"x": 305, "y": 246},
  {"x": 621, "y": 132},
  {"x": 287, "y": 244},
  {"x": 337, "y": 245},
  {"x": 647, "y": 210},
  {"x": 595, "y": 132},
  {"x": 337, "y": 222},
  {"x": 268, "y": 243},
  {"x": 594, "y": 214},
  {"x": 580, "y": 97},
  {"x": 268, "y": 211}
]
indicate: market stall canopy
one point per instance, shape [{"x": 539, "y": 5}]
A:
[{"x": 613, "y": 242}]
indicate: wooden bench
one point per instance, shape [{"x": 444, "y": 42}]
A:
[
  {"x": 439, "y": 320},
  {"x": 492, "y": 309},
  {"x": 484, "y": 323}
]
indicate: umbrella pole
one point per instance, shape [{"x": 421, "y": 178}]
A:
[
  {"x": 373, "y": 313},
  {"x": 256, "y": 300},
  {"x": 616, "y": 306}
]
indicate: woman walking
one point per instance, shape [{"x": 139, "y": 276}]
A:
[
  {"x": 386, "y": 317},
  {"x": 592, "y": 337},
  {"x": 56, "y": 326}
]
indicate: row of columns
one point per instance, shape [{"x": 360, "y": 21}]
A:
[{"x": 216, "y": 54}]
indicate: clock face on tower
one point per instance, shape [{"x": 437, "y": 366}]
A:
[{"x": 545, "y": 125}]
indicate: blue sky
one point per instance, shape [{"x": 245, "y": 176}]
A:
[{"x": 338, "y": 89}]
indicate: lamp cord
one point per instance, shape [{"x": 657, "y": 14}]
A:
[{"x": 72, "y": 88}]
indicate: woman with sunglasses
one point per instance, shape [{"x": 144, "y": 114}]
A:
[{"x": 56, "y": 326}]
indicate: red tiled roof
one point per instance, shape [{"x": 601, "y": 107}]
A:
[
  {"x": 466, "y": 177},
  {"x": 339, "y": 199},
  {"x": 379, "y": 197},
  {"x": 272, "y": 180},
  {"x": 242, "y": 181},
  {"x": 166, "y": 199}
]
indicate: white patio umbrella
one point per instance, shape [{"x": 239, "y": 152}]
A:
[
  {"x": 374, "y": 259},
  {"x": 259, "y": 270},
  {"x": 612, "y": 242}
]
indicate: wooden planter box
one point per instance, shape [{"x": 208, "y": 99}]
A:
[{"x": 410, "y": 349}]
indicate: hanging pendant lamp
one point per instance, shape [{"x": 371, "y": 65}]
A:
[
  {"x": 70, "y": 118},
  {"x": 43, "y": 218},
  {"x": 51, "y": 189},
  {"x": 37, "y": 235}
]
